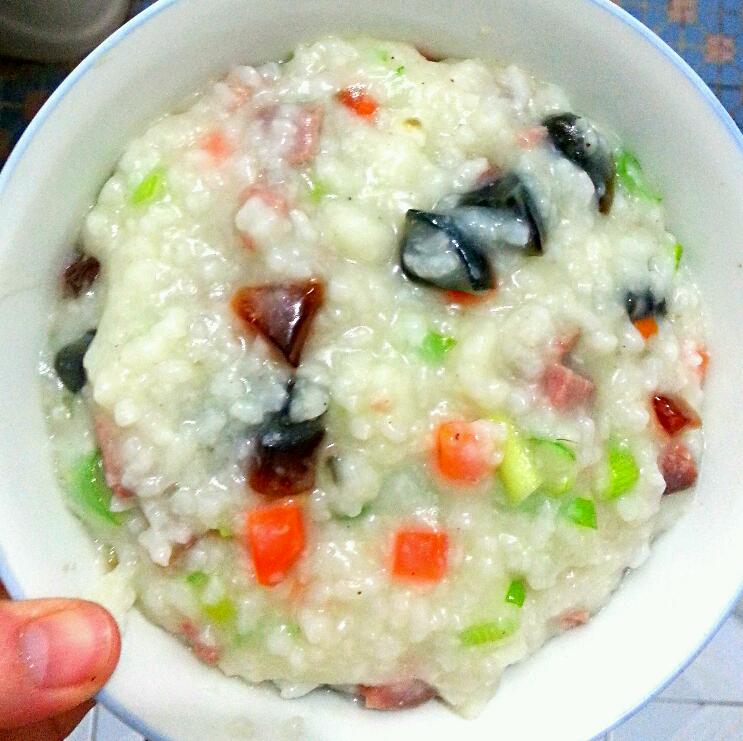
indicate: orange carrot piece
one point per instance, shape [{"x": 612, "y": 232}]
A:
[
  {"x": 461, "y": 453},
  {"x": 420, "y": 555},
  {"x": 215, "y": 144},
  {"x": 647, "y": 326},
  {"x": 358, "y": 101},
  {"x": 275, "y": 538},
  {"x": 462, "y": 298},
  {"x": 704, "y": 355}
]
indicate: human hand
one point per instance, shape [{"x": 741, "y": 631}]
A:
[{"x": 55, "y": 654}]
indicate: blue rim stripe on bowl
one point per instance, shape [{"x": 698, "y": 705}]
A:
[{"x": 7, "y": 577}]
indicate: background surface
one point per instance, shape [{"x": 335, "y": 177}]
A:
[
  {"x": 706, "y": 702},
  {"x": 707, "y": 33}
]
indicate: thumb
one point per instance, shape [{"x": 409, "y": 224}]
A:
[{"x": 54, "y": 655}]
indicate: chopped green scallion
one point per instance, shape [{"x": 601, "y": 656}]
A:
[
  {"x": 582, "y": 512},
  {"x": 149, "y": 188},
  {"x": 533, "y": 503},
  {"x": 89, "y": 492},
  {"x": 220, "y": 612},
  {"x": 556, "y": 463},
  {"x": 678, "y": 251},
  {"x": 435, "y": 347},
  {"x": 516, "y": 593},
  {"x": 400, "y": 71},
  {"x": 630, "y": 175},
  {"x": 197, "y": 579},
  {"x": 517, "y": 470},
  {"x": 316, "y": 188},
  {"x": 623, "y": 472},
  {"x": 489, "y": 632}
]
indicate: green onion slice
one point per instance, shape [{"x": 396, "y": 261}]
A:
[
  {"x": 516, "y": 593},
  {"x": 89, "y": 492},
  {"x": 623, "y": 472},
  {"x": 197, "y": 579},
  {"x": 556, "y": 462},
  {"x": 517, "y": 471},
  {"x": 220, "y": 612},
  {"x": 151, "y": 186},
  {"x": 435, "y": 347},
  {"x": 488, "y": 632},
  {"x": 630, "y": 175},
  {"x": 582, "y": 512}
]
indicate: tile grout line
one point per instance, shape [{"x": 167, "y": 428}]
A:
[
  {"x": 701, "y": 703},
  {"x": 94, "y": 724}
]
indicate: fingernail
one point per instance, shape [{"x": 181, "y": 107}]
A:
[{"x": 66, "y": 648}]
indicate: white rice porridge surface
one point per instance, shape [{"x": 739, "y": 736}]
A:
[{"x": 274, "y": 175}]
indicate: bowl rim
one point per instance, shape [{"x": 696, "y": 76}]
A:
[{"x": 91, "y": 60}]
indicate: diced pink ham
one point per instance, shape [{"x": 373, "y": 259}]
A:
[
  {"x": 206, "y": 652},
  {"x": 564, "y": 345},
  {"x": 309, "y": 122},
  {"x": 105, "y": 434},
  {"x": 673, "y": 413},
  {"x": 573, "y": 618},
  {"x": 241, "y": 87},
  {"x": 678, "y": 467},
  {"x": 267, "y": 114},
  {"x": 531, "y": 137},
  {"x": 241, "y": 92},
  {"x": 488, "y": 175},
  {"x": 565, "y": 388},
  {"x": 248, "y": 242},
  {"x": 696, "y": 358},
  {"x": 256, "y": 199},
  {"x": 272, "y": 198},
  {"x": 404, "y": 694},
  {"x": 179, "y": 549}
]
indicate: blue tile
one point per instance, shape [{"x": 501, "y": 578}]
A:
[
  {"x": 654, "y": 14},
  {"x": 731, "y": 99},
  {"x": 713, "y": 723},
  {"x": 732, "y": 23},
  {"x": 714, "y": 676},
  {"x": 109, "y": 728},
  {"x": 656, "y": 722},
  {"x": 86, "y": 729}
]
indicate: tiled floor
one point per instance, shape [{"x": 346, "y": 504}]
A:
[{"x": 704, "y": 704}]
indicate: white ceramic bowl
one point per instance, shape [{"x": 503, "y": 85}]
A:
[{"x": 616, "y": 71}]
